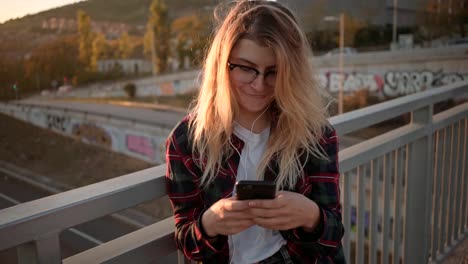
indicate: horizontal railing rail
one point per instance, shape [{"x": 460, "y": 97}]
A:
[
  {"x": 368, "y": 116},
  {"x": 35, "y": 226}
]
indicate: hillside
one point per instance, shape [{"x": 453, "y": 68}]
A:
[{"x": 133, "y": 12}]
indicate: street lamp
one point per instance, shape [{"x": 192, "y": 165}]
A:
[
  {"x": 395, "y": 19},
  {"x": 339, "y": 19}
]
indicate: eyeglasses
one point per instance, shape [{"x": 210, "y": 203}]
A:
[{"x": 245, "y": 74}]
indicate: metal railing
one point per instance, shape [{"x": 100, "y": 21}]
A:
[{"x": 404, "y": 194}]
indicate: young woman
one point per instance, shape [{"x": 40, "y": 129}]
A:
[{"x": 260, "y": 115}]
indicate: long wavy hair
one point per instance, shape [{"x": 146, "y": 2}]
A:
[{"x": 300, "y": 114}]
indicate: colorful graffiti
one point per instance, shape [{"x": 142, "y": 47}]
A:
[
  {"x": 352, "y": 82},
  {"x": 93, "y": 134},
  {"x": 403, "y": 83},
  {"x": 392, "y": 84},
  {"x": 167, "y": 88},
  {"x": 140, "y": 145}
]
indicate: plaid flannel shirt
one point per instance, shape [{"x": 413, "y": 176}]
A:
[{"x": 320, "y": 184}]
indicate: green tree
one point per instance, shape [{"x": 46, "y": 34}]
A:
[
  {"x": 53, "y": 61},
  {"x": 351, "y": 26},
  {"x": 148, "y": 43},
  {"x": 125, "y": 47},
  {"x": 85, "y": 39},
  {"x": 158, "y": 29},
  {"x": 313, "y": 17},
  {"x": 100, "y": 49},
  {"x": 191, "y": 35},
  {"x": 11, "y": 72}
]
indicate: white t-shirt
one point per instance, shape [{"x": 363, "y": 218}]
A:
[{"x": 255, "y": 243}]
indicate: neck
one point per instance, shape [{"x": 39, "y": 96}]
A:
[{"x": 247, "y": 121}]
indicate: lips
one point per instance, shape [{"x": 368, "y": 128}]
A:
[{"x": 256, "y": 95}]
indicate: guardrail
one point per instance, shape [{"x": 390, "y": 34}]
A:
[{"x": 416, "y": 206}]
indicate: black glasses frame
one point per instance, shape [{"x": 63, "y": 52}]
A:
[{"x": 257, "y": 72}]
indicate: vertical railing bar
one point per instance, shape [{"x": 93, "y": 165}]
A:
[
  {"x": 405, "y": 191},
  {"x": 346, "y": 215},
  {"x": 443, "y": 212},
  {"x": 26, "y": 253},
  {"x": 464, "y": 216},
  {"x": 451, "y": 190},
  {"x": 373, "y": 211},
  {"x": 48, "y": 249},
  {"x": 360, "y": 209},
  {"x": 386, "y": 208},
  {"x": 394, "y": 207},
  {"x": 399, "y": 166},
  {"x": 418, "y": 190},
  {"x": 457, "y": 200},
  {"x": 181, "y": 259},
  {"x": 436, "y": 199}
]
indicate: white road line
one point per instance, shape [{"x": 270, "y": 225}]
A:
[
  {"x": 86, "y": 236},
  {"x": 73, "y": 230},
  {"x": 9, "y": 199},
  {"x": 53, "y": 190}
]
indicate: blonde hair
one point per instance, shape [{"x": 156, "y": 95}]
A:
[{"x": 301, "y": 113}]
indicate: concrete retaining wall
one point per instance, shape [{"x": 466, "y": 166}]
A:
[{"x": 124, "y": 136}]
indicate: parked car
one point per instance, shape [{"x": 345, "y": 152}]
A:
[
  {"x": 64, "y": 89},
  {"x": 346, "y": 51},
  {"x": 458, "y": 41}
]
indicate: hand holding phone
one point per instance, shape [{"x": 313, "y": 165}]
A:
[{"x": 251, "y": 190}]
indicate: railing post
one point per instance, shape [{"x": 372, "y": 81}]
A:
[
  {"x": 26, "y": 253},
  {"x": 419, "y": 186},
  {"x": 45, "y": 250},
  {"x": 181, "y": 259},
  {"x": 48, "y": 249}
]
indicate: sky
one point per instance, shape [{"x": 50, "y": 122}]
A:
[{"x": 19, "y": 8}]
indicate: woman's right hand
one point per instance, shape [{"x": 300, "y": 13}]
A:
[{"x": 227, "y": 217}]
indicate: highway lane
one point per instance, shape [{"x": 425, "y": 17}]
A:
[{"x": 72, "y": 241}]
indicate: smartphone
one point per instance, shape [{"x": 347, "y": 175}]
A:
[{"x": 251, "y": 190}]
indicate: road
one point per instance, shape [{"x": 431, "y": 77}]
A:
[{"x": 73, "y": 240}]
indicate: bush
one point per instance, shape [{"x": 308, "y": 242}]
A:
[
  {"x": 130, "y": 90},
  {"x": 359, "y": 99}
]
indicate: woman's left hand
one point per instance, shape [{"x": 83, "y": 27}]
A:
[{"x": 287, "y": 211}]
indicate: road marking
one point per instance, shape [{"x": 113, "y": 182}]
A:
[
  {"x": 9, "y": 199},
  {"x": 86, "y": 236},
  {"x": 40, "y": 185},
  {"x": 73, "y": 230}
]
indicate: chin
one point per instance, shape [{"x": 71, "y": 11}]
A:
[{"x": 255, "y": 108}]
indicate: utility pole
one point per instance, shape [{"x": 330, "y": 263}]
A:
[
  {"x": 341, "y": 62},
  {"x": 395, "y": 21},
  {"x": 153, "y": 53}
]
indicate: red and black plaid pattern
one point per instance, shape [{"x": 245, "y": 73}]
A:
[{"x": 189, "y": 200}]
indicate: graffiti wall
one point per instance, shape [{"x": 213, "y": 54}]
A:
[
  {"x": 390, "y": 83},
  {"x": 146, "y": 143}
]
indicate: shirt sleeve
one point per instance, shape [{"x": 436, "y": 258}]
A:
[
  {"x": 186, "y": 197},
  {"x": 322, "y": 177}
]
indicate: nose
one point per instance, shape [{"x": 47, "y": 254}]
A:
[{"x": 258, "y": 83}]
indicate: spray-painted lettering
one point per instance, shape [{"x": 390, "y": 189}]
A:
[
  {"x": 57, "y": 122},
  {"x": 141, "y": 145},
  {"x": 392, "y": 84}
]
